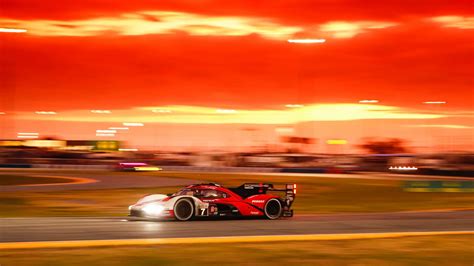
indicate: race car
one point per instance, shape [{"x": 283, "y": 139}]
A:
[
  {"x": 136, "y": 167},
  {"x": 214, "y": 200}
]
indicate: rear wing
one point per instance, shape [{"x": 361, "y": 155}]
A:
[{"x": 290, "y": 194}]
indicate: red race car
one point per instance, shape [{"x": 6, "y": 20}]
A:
[{"x": 213, "y": 200}]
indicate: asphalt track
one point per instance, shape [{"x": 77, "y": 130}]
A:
[
  {"x": 114, "y": 180},
  {"x": 62, "y": 228},
  {"x": 95, "y": 228},
  {"x": 103, "y": 180}
]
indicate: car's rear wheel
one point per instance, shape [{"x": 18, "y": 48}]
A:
[
  {"x": 184, "y": 210},
  {"x": 273, "y": 209}
]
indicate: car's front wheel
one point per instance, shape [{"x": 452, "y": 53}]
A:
[
  {"x": 273, "y": 209},
  {"x": 184, "y": 209}
]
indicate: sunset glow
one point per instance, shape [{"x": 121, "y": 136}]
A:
[
  {"x": 205, "y": 115},
  {"x": 157, "y": 22},
  {"x": 179, "y": 73},
  {"x": 344, "y": 29}
]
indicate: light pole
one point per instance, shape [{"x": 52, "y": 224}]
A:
[
  {"x": 304, "y": 41},
  {"x": 294, "y": 125},
  {"x": 5, "y": 32},
  {"x": 436, "y": 108},
  {"x": 367, "y": 121}
]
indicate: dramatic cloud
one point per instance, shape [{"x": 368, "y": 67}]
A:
[
  {"x": 164, "y": 22},
  {"x": 212, "y": 62},
  {"x": 344, "y": 29},
  {"x": 207, "y": 115},
  {"x": 455, "y": 22},
  {"x": 156, "y": 22}
]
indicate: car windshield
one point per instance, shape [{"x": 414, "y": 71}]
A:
[
  {"x": 184, "y": 192},
  {"x": 201, "y": 193}
]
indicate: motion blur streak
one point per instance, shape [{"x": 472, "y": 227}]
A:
[
  {"x": 224, "y": 239},
  {"x": 435, "y": 102},
  {"x": 307, "y": 41},
  {"x": 336, "y": 141},
  {"x": 131, "y": 124},
  {"x": 12, "y": 30},
  {"x": 28, "y": 133},
  {"x": 443, "y": 126},
  {"x": 27, "y": 137},
  {"x": 455, "y": 22},
  {"x": 45, "y": 112}
]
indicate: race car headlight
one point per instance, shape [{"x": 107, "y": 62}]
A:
[{"x": 153, "y": 209}]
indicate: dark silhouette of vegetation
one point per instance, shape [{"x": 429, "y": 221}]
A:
[{"x": 387, "y": 146}]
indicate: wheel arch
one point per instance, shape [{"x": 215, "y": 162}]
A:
[
  {"x": 281, "y": 206},
  {"x": 189, "y": 199}
]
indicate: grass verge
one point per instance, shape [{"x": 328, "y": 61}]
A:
[
  {"x": 15, "y": 180},
  {"x": 426, "y": 250}
]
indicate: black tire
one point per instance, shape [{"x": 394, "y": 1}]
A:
[
  {"x": 183, "y": 209},
  {"x": 273, "y": 209}
]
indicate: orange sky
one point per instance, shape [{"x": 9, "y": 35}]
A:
[{"x": 194, "y": 57}]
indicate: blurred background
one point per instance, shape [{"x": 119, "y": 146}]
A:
[
  {"x": 289, "y": 155},
  {"x": 365, "y": 105},
  {"x": 178, "y": 85}
]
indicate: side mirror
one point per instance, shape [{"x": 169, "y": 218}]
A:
[{"x": 169, "y": 194}]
